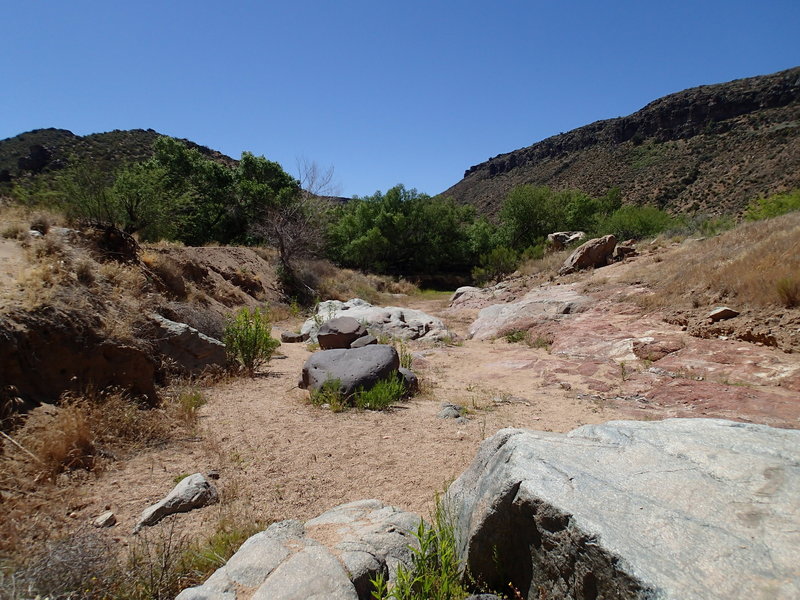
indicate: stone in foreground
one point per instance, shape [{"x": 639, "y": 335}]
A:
[
  {"x": 354, "y": 368},
  {"x": 682, "y": 508},
  {"x": 333, "y": 556},
  {"x": 722, "y": 313},
  {"x": 194, "y": 491},
  {"x": 191, "y": 350}
]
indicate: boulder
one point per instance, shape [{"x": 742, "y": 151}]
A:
[
  {"x": 543, "y": 303},
  {"x": 339, "y": 333},
  {"x": 561, "y": 239},
  {"x": 194, "y": 491},
  {"x": 191, "y": 350},
  {"x": 623, "y": 251},
  {"x": 334, "y": 555},
  {"x": 594, "y": 253},
  {"x": 396, "y": 322},
  {"x": 682, "y": 508},
  {"x": 353, "y": 367},
  {"x": 364, "y": 340},
  {"x": 291, "y": 337}
]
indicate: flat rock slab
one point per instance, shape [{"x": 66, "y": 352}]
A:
[
  {"x": 354, "y": 368},
  {"x": 682, "y": 508},
  {"x": 333, "y": 556},
  {"x": 339, "y": 332},
  {"x": 190, "y": 349},
  {"x": 194, "y": 491},
  {"x": 540, "y": 304},
  {"x": 394, "y": 321}
]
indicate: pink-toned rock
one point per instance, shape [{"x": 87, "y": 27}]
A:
[{"x": 594, "y": 253}]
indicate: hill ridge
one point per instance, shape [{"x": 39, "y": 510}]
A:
[{"x": 660, "y": 153}]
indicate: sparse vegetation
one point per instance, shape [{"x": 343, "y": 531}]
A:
[
  {"x": 435, "y": 573},
  {"x": 382, "y": 395},
  {"x": 773, "y": 206},
  {"x": 248, "y": 338}
]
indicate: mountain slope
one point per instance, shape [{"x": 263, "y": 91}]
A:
[
  {"x": 711, "y": 149},
  {"x": 41, "y": 151}
]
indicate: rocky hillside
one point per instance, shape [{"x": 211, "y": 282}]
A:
[
  {"x": 42, "y": 151},
  {"x": 710, "y": 149}
]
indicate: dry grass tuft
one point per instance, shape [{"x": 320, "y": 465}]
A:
[
  {"x": 755, "y": 264},
  {"x": 546, "y": 267}
]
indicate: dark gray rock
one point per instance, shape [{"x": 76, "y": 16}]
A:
[
  {"x": 191, "y": 350},
  {"x": 682, "y": 508},
  {"x": 290, "y": 337},
  {"x": 194, "y": 491},
  {"x": 410, "y": 379},
  {"x": 449, "y": 411},
  {"x": 353, "y": 367},
  {"x": 594, "y": 253},
  {"x": 334, "y": 555},
  {"x": 364, "y": 340},
  {"x": 339, "y": 333}
]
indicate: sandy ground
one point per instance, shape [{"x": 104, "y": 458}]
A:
[{"x": 280, "y": 457}]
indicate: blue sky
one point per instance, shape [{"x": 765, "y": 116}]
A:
[{"x": 386, "y": 92}]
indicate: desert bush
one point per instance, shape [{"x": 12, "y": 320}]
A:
[
  {"x": 635, "y": 222},
  {"x": 495, "y": 264},
  {"x": 382, "y": 395},
  {"x": 168, "y": 272},
  {"x": 435, "y": 573},
  {"x": 773, "y": 206},
  {"x": 248, "y": 338},
  {"x": 331, "y": 395},
  {"x": 788, "y": 289}
]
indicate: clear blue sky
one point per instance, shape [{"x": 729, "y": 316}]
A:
[{"x": 386, "y": 92}]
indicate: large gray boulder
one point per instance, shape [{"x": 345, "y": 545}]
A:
[
  {"x": 194, "y": 491},
  {"x": 594, "y": 253},
  {"x": 543, "y": 303},
  {"x": 682, "y": 508},
  {"x": 191, "y": 350},
  {"x": 331, "y": 556},
  {"x": 354, "y": 367},
  {"x": 394, "y": 321},
  {"x": 339, "y": 333}
]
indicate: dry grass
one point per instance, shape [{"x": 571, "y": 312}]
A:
[
  {"x": 332, "y": 283},
  {"x": 755, "y": 264},
  {"x": 546, "y": 267}
]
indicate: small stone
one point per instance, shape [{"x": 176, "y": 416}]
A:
[
  {"x": 107, "y": 519},
  {"x": 213, "y": 474},
  {"x": 565, "y": 386}
]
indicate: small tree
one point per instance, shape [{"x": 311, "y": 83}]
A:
[{"x": 248, "y": 338}]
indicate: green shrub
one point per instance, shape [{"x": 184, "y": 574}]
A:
[
  {"x": 435, "y": 573},
  {"x": 247, "y": 338},
  {"x": 773, "y": 206},
  {"x": 330, "y": 394},
  {"x": 635, "y": 222},
  {"x": 382, "y": 395},
  {"x": 495, "y": 264}
]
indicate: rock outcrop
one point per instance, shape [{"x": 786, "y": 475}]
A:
[
  {"x": 190, "y": 350},
  {"x": 683, "y": 508},
  {"x": 561, "y": 239},
  {"x": 544, "y": 303},
  {"x": 394, "y": 321},
  {"x": 353, "y": 368},
  {"x": 333, "y": 556},
  {"x": 49, "y": 351},
  {"x": 194, "y": 491},
  {"x": 594, "y": 253}
]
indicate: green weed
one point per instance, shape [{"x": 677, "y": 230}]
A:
[{"x": 248, "y": 338}]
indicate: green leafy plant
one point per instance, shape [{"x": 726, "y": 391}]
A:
[
  {"x": 773, "y": 206},
  {"x": 330, "y": 394},
  {"x": 247, "y": 338},
  {"x": 382, "y": 395},
  {"x": 435, "y": 573},
  {"x": 516, "y": 336}
]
